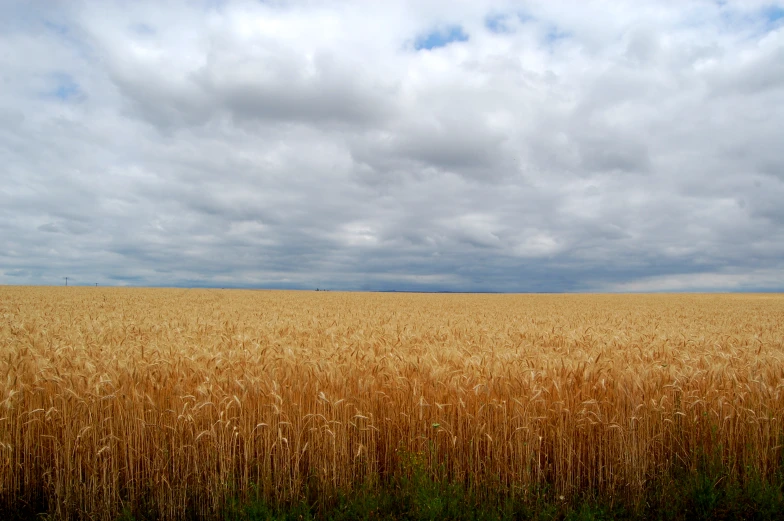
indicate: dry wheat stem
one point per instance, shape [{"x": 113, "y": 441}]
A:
[{"x": 188, "y": 397}]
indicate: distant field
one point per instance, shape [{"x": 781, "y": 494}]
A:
[{"x": 169, "y": 401}]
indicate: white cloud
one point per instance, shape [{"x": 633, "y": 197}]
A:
[
  {"x": 751, "y": 280},
  {"x": 567, "y": 145}
]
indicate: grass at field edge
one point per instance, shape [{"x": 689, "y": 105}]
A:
[{"x": 709, "y": 494}]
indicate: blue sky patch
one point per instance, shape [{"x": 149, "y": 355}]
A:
[
  {"x": 774, "y": 14},
  {"x": 143, "y": 29},
  {"x": 64, "y": 88},
  {"x": 525, "y": 18},
  {"x": 497, "y": 24},
  {"x": 765, "y": 19},
  {"x": 554, "y": 34},
  {"x": 57, "y": 28},
  {"x": 500, "y": 23},
  {"x": 441, "y": 38}
]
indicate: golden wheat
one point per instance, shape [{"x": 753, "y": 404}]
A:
[{"x": 184, "y": 398}]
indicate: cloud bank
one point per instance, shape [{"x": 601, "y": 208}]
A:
[{"x": 429, "y": 145}]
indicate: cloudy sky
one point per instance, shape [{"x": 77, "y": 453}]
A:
[{"x": 616, "y": 145}]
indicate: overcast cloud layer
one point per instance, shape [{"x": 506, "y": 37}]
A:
[{"x": 426, "y": 145}]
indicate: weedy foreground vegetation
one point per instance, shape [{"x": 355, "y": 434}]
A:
[{"x": 175, "y": 404}]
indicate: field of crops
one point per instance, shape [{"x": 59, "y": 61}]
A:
[{"x": 173, "y": 401}]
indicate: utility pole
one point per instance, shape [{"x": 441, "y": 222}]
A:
[{"x": 66, "y": 281}]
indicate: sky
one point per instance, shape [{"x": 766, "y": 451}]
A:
[{"x": 428, "y": 145}]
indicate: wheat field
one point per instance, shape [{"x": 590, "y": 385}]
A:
[{"x": 181, "y": 399}]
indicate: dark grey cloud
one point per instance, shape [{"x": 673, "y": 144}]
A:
[{"x": 491, "y": 146}]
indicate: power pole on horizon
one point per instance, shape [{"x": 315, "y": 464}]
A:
[{"x": 66, "y": 281}]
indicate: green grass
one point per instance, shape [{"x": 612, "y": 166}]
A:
[
  {"x": 710, "y": 493},
  {"x": 706, "y": 494},
  {"x": 697, "y": 499}
]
